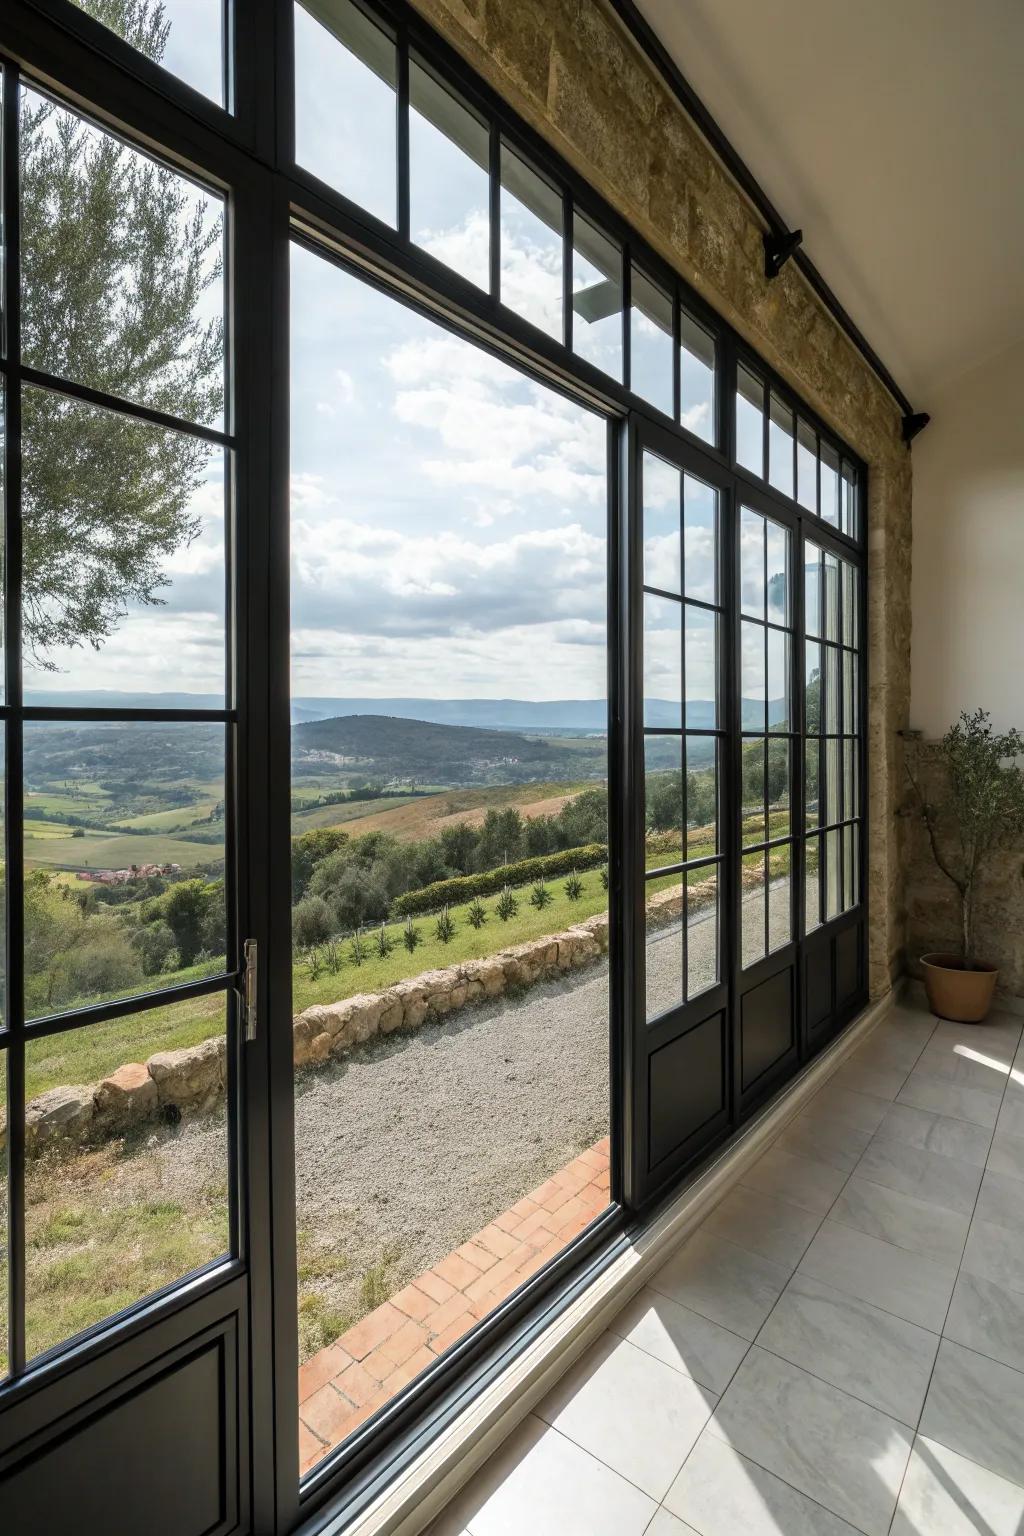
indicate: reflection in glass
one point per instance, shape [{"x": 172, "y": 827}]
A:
[
  {"x": 848, "y": 509},
  {"x": 812, "y": 804},
  {"x": 663, "y": 662},
  {"x": 780, "y": 923},
  {"x": 830, "y": 596},
  {"x": 701, "y": 668},
  {"x": 124, "y": 572},
  {"x": 778, "y": 680},
  {"x": 780, "y": 446},
  {"x": 664, "y": 802},
  {"x": 700, "y": 538},
  {"x": 126, "y": 1207},
  {"x": 531, "y": 245},
  {"x": 812, "y": 589},
  {"x": 832, "y": 787},
  {"x": 812, "y": 688},
  {"x": 752, "y": 676},
  {"x": 847, "y": 867},
  {"x": 188, "y": 39},
  {"x": 849, "y": 802},
  {"x": 596, "y": 297},
  {"x": 849, "y": 693},
  {"x": 137, "y": 310},
  {"x": 829, "y": 485},
  {"x": 812, "y": 881},
  {"x": 651, "y": 348},
  {"x": 448, "y": 178},
  {"x": 124, "y": 859},
  {"x": 777, "y": 550},
  {"x": 749, "y": 421},
  {"x": 346, "y": 106},
  {"x": 697, "y": 379},
  {"x": 806, "y": 466},
  {"x": 665, "y": 953},
  {"x": 832, "y": 874},
  {"x": 777, "y": 788},
  {"x": 752, "y": 581},
  {"x": 701, "y": 797},
  {"x": 831, "y": 654},
  {"x": 702, "y": 931},
  {"x": 754, "y": 789},
  {"x": 752, "y": 908},
  {"x": 662, "y": 486}
]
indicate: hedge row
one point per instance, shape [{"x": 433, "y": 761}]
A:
[{"x": 451, "y": 892}]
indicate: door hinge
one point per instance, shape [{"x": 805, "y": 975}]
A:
[{"x": 249, "y": 988}]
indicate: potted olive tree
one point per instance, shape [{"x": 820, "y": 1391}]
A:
[{"x": 979, "y": 807}]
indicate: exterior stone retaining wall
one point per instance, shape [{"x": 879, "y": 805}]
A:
[{"x": 190, "y": 1081}]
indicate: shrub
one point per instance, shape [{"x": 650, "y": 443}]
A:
[
  {"x": 383, "y": 943},
  {"x": 466, "y": 887},
  {"x": 507, "y": 905},
  {"x": 540, "y": 897},
  {"x": 357, "y": 948},
  {"x": 477, "y": 913},
  {"x": 155, "y": 944},
  {"x": 604, "y": 876},
  {"x": 314, "y": 963},
  {"x": 411, "y": 937},
  {"x": 574, "y": 887},
  {"x": 445, "y": 926},
  {"x": 312, "y": 922}
]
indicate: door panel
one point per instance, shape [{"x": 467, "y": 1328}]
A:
[
  {"x": 767, "y": 1032},
  {"x": 687, "y": 1086}
]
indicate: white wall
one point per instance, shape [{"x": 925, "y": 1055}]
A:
[{"x": 968, "y": 552}]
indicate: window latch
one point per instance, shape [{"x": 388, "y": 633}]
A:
[{"x": 249, "y": 988}]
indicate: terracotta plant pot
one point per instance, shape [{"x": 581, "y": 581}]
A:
[{"x": 954, "y": 992}]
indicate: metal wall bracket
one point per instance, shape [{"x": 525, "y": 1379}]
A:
[
  {"x": 778, "y": 248},
  {"x": 914, "y": 424}
]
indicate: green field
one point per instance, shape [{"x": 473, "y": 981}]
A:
[{"x": 50, "y": 847}]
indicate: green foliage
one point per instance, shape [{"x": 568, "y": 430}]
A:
[
  {"x": 444, "y": 928},
  {"x": 383, "y": 942},
  {"x": 312, "y": 922},
  {"x": 980, "y": 807},
  {"x": 574, "y": 887},
  {"x": 357, "y": 948},
  {"x": 307, "y": 852},
  {"x": 477, "y": 912},
  {"x": 411, "y": 937},
  {"x": 194, "y": 912},
  {"x": 604, "y": 876},
  {"x": 507, "y": 906},
  {"x": 117, "y": 254},
  {"x": 540, "y": 896},
  {"x": 156, "y": 947},
  {"x": 488, "y": 881}
]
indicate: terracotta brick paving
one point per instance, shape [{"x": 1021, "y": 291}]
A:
[{"x": 342, "y": 1385}]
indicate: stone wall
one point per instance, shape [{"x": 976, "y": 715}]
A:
[
  {"x": 572, "y": 71},
  {"x": 933, "y": 906}
]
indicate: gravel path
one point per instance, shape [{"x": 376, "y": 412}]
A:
[{"x": 414, "y": 1142}]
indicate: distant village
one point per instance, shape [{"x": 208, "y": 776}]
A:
[{"x": 123, "y": 876}]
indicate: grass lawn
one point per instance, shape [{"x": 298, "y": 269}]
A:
[{"x": 45, "y": 849}]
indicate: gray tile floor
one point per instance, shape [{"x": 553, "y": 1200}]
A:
[{"x": 839, "y": 1348}]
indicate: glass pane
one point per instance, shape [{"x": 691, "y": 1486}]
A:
[
  {"x": 849, "y": 693},
  {"x": 651, "y": 347},
  {"x": 3, "y": 906},
  {"x": 3, "y": 1220},
  {"x": 665, "y": 953},
  {"x": 777, "y": 548},
  {"x": 697, "y": 379},
  {"x": 806, "y": 466},
  {"x": 752, "y": 676},
  {"x": 752, "y": 909},
  {"x": 700, "y": 539},
  {"x": 831, "y": 596},
  {"x": 663, "y": 800},
  {"x": 752, "y": 580},
  {"x": 346, "y": 106},
  {"x": 124, "y": 859},
  {"x": 778, "y": 681},
  {"x": 663, "y": 545},
  {"x": 849, "y": 501},
  {"x": 777, "y": 788},
  {"x": 812, "y": 805},
  {"x": 185, "y": 36},
  {"x": 123, "y": 559},
  {"x": 531, "y": 245},
  {"x": 701, "y": 797},
  {"x": 126, "y": 1189},
  {"x": 749, "y": 422},
  {"x": 832, "y": 874},
  {"x": 663, "y": 662},
  {"x": 596, "y": 297},
  {"x": 702, "y": 922},
  {"x": 448, "y": 178},
  {"x": 135, "y": 309},
  {"x": 812, "y": 688},
  {"x": 780, "y": 922},
  {"x": 812, "y": 877},
  {"x": 849, "y": 595},
  {"x": 701, "y": 668},
  {"x": 752, "y": 813},
  {"x": 847, "y": 868},
  {"x": 448, "y": 538},
  {"x": 831, "y": 654},
  {"x": 780, "y": 446},
  {"x": 856, "y": 863},
  {"x": 812, "y": 589},
  {"x": 853, "y": 695},
  {"x": 832, "y": 806},
  {"x": 829, "y": 485}
]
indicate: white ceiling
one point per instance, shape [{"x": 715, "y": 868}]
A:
[{"x": 892, "y": 133}]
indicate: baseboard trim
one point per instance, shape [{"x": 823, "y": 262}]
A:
[{"x": 419, "y": 1493}]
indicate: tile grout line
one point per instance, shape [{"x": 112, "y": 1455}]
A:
[{"x": 956, "y": 1279}]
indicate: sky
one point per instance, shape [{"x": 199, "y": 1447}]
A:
[{"x": 448, "y": 514}]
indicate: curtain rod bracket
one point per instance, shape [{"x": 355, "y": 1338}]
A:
[
  {"x": 778, "y": 248},
  {"x": 913, "y": 424}
]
